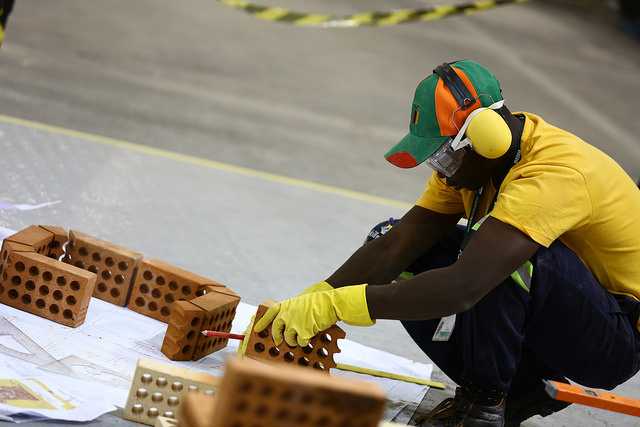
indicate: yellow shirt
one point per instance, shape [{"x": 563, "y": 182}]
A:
[{"x": 563, "y": 188}]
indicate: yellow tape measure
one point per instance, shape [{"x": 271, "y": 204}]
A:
[{"x": 376, "y": 18}]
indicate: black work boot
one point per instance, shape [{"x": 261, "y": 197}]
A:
[
  {"x": 449, "y": 412},
  {"x": 534, "y": 402},
  {"x": 471, "y": 407}
]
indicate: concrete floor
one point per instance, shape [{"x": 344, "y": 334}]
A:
[{"x": 196, "y": 78}]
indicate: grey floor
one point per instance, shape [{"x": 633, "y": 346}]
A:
[{"x": 320, "y": 106}]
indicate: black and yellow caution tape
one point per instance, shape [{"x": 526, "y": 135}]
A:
[{"x": 379, "y": 19}]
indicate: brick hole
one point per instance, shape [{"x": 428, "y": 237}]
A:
[
  {"x": 165, "y": 311},
  {"x": 160, "y": 281},
  {"x": 40, "y": 303},
  {"x": 319, "y": 366},
  {"x": 139, "y": 302},
  {"x": 266, "y": 390},
  {"x": 83, "y": 251},
  {"x": 186, "y": 290},
  {"x": 144, "y": 288},
  {"x": 262, "y": 410},
  {"x": 307, "y": 349},
  {"x": 282, "y": 414},
  {"x": 289, "y": 357},
  {"x": 186, "y": 349},
  {"x": 147, "y": 275},
  {"x": 263, "y": 333},
  {"x": 169, "y": 298},
  {"x": 119, "y": 279},
  {"x": 109, "y": 261},
  {"x": 242, "y": 406},
  {"x": 33, "y": 270},
  {"x": 201, "y": 292},
  {"x": 30, "y": 285},
  {"x": 47, "y": 276},
  {"x": 13, "y": 294},
  {"x": 173, "y": 286},
  {"x": 43, "y": 290},
  {"x": 61, "y": 281},
  {"x": 195, "y": 322},
  {"x": 153, "y": 306},
  {"x": 96, "y": 257},
  {"x": 26, "y": 299},
  {"x": 19, "y": 266},
  {"x": 123, "y": 266},
  {"x": 323, "y": 421},
  {"x": 93, "y": 269},
  {"x": 67, "y": 314},
  {"x": 79, "y": 264},
  {"x": 304, "y": 361},
  {"x": 191, "y": 334},
  {"x": 16, "y": 280},
  {"x": 58, "y": 295},
  {"x": 115, "y": 293},
  {"x": 156, "y": 293},
  {"x": 322, "y": 352},
  {"x": 326, "y": 338},
  {"x": 53, "y": 308},
  {"x": 259, "y": 347},
  {"x": 274, "y": 352},
  {"x": 102, "y": 287},
  {"x": 287, "y": 395},
  {"x": 306, "y": 398},
  {"x": 302, "y": 417},
  {"x": 106, "y": 274}
]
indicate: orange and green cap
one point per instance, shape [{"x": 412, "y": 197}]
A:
[{"x": 436, "y": 116}]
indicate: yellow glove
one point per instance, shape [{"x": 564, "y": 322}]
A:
[
  {"x": 318, "y": 287},
  {"x": 303, "y": 317}
]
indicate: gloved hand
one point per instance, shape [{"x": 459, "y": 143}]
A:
[
  {"x": 317, "y": 287},
  {"x": 301, "y": 318}
]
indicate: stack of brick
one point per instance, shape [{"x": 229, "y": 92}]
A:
[
  {"x": 318, "y": 354},
  {"x": 279, "y": 396},
  {"x": 117, "y": 275},
  {"x": 33, "y": 280}
]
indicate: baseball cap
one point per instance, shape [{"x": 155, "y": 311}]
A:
[{"x": 436, "y": 116}]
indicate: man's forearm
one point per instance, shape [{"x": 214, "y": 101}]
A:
[
  {"x": 373, "y": 263},
  {"x": 430, "y": 295}
]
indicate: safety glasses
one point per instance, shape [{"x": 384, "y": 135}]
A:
[{"x": 448, "y": 158}]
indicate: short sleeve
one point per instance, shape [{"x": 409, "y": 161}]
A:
[
  {"x": 545, "y": 203},
  {"x": 441, "y": 198}
]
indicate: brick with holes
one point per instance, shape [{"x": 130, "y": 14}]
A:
[
  {"x": 220, "y": 308},
  {"x": 215, "y": 310},
  {"x": 284, "y": 396},
  {"x": 114, "y": 266},
  {"x": 45, "y": 287},
  {"x": 159, "y": 284},
  {"x": 183, "y": 330},
  {"x": 60, "y": 238},
  {"x": 33, "y": 236},
  {"x": 317, "y": 355},
  {"x": 159, "y": 389}
]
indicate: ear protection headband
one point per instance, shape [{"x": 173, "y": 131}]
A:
[{"x": 486, "y": 131}]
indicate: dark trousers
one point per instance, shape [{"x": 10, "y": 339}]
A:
[{"x": 567, "y": 325}]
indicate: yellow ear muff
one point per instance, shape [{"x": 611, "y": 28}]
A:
[{"x": 489, "y": 134}]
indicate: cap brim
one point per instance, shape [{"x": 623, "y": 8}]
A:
[{"x": 413, "y": 150}]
